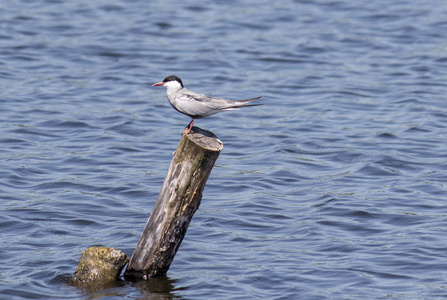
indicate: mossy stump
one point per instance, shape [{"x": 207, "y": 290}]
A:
[
  {"x": 176, "y": 204},
  {"x": 98, "y": 266}
]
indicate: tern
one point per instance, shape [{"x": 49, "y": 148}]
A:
[{"x": 197, "y": 105}]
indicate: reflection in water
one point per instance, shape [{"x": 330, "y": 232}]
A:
[{"x": 158, "y": 288}]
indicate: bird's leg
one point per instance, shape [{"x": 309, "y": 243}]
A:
[{"x": 188, "y": 127}]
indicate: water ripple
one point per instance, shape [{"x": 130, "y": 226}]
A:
[{"x": 334, "y": 188}]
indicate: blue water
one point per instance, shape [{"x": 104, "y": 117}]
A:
[{"x": 335, "y": 188}]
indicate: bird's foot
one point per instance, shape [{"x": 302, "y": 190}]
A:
[
  {"x": 186, "y": 131},
  {"x": 188, "y": 128}
]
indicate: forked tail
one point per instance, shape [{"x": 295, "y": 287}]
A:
[{"x": 243, "y": 103}]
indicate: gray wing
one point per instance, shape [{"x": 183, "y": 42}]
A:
[{"x": 197, "y": 105}]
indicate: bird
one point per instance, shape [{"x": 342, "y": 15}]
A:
[{"x": 197, "y": 105}]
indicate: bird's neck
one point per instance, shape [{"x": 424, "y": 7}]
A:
[{"x": 172, "y": 92}]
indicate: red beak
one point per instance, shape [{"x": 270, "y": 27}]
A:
[{"x": 158, "y": 83}]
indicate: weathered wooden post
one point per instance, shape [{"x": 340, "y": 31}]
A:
[{"x": 176, "y": 204}]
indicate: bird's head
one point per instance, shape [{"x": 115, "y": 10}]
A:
[{"x": 171, "y": 81}]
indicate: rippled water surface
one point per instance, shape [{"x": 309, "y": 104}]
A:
[{"x": 335, "y": 188}]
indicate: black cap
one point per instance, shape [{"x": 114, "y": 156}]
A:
[{"x": 173, "y": 78}]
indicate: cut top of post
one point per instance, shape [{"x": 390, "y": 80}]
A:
[{"x": 205, "y": 139}]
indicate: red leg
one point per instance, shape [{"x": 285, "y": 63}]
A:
[{"x": 188, "y": 127}]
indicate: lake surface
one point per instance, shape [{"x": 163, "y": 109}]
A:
[{"x": 335, "y": 188}]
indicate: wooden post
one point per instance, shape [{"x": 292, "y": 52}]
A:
[{"x": 176, "y": 204}]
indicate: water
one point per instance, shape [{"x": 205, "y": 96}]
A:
[{"x": 334, "y": 189}]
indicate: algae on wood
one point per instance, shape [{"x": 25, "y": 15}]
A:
[{"x": 98, "y": 266}]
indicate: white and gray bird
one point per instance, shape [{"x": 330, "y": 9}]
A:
[{"x": 197, "y": 105}]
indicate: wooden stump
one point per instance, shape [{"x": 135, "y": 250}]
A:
[
  {"x": 176, "y": 204},
  {"x": 98, "y": 267}
]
